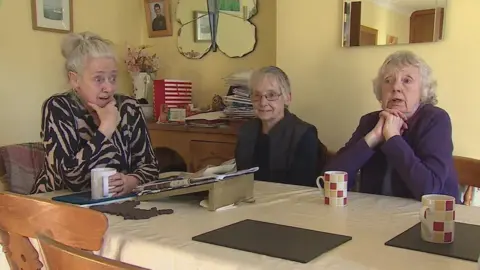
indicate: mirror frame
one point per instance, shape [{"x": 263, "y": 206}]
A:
[
  {"x": 214, "y": 14},
  {"x": 346, "y": 6}
]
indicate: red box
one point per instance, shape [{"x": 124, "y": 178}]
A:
[{"x": 172, "y": 93}]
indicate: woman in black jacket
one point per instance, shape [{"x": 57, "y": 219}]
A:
[{"x": 285, "y": 148}]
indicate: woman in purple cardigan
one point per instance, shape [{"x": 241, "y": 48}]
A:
[{"x": 405, "y": 149}]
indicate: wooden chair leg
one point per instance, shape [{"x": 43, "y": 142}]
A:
[{"x": 467, "y": 197}]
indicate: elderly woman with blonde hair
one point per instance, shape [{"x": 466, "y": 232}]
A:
[
  {"x": 91, "y": 126},
  {"x": 285, "y": 148},
  {"x": 405, "y": 149}
]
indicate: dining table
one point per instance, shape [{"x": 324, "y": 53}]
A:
[{"x": 165, "y": 241}]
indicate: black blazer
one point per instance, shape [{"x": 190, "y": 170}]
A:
[{"x": 295, "y": 154}]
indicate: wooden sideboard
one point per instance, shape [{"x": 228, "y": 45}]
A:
[{"x": 197, "y": 146}]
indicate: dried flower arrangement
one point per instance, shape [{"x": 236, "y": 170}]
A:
[{"x": 139, "y": 60}]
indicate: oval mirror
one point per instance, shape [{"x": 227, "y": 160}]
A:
[
  {"x": 236, "y": 35},
  {"x": 389, "y": 22}
]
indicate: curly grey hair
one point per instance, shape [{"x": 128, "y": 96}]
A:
[
  {"x": 272, "y": 72},
  {"x": 407, "y": 58},
  {"x": 77, "y": 47}
]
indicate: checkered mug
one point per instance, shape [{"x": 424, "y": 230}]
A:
[
  {"x": 335, "y": 187},
  {"x": 437, "y": 217}
]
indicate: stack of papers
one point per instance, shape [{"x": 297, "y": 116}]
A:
[
  {"x": 239, "y": 78},
  {"x": 208, "y": 119},
  {"x": 237, "y": 101}
]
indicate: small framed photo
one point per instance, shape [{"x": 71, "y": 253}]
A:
[
  {"x": 202, "y": 26},
  {"x": 52, "y": 15},
  {"x": 157, "y": 13},
  {"x": 229, "y": 5}
]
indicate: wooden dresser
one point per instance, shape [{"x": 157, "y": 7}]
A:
[{"x": 198, "y": 146}]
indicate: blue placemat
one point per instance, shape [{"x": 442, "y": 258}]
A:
[{"x": 84, "y": 198}]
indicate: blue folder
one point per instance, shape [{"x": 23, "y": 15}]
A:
[{"x": 82, "y": 198}]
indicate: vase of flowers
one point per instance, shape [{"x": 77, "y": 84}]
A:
[{"x": 142, "y": 67}]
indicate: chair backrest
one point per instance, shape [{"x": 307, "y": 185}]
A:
[
  {"x": 468, "y": 170},
  {"x": 23, "y": 217},
  {"x": 20, "y": 164},
  {"x": 3, "y": 170},
  {"x": 59, "y": 256}
]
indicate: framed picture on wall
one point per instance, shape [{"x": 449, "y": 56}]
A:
[
  {"x": 229, "y": 5},
  {"x": 202, "y": 27},
  {"x": 157, "y": 13},
  {"x": 52, "y": 15}
]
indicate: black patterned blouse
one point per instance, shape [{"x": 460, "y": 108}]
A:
[{"x": 74, "y": 146}]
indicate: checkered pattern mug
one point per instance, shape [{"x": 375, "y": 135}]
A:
[
  {"x": 335, "y": 187},
  {"x": 437, "y": 218}
]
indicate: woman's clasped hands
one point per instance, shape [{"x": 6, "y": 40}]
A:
[
  {"x": 121, "y": 184},
  {"x": 391, "y": 123}
]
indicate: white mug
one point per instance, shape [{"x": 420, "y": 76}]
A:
[
  {"x": 437, "y": 217},
  {"x": 99, "y": 182},
  {"x": 335, "y": 187}
]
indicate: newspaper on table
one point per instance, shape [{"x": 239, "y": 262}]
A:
[{"x": 175, "y": 180}]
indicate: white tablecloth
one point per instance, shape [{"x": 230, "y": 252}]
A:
[{"x": 164, "y": 242}]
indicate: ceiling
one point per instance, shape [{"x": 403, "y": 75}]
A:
[{"x": 411, "y": 5}]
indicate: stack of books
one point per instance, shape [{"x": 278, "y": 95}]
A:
[{"x": 237, "y": 101}]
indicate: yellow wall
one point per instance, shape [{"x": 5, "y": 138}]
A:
[
  {"x": 386, "y": 21},
  {"x": 31, "y": 66},
  {"x": 332, "y": 85},
  {"x": 206, "y": 73}
]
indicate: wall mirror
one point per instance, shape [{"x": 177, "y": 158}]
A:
[
  {"x": 211, "y": 25},
  {"x": 390, "y": 22}
]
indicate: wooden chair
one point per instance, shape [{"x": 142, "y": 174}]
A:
[
  {"x": 23, "y": 217},
  {"x": 468, "y": 170},
  {"x": 4, "y": 186},
  {"x": 59, "y": 257}
]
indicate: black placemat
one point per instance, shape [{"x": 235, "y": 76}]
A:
[
  {"x": 280, "y": 241},
  {"x": 465, "y": 246}
]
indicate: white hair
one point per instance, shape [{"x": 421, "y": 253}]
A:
[
  {"x": 77, "y": 47},
  {"x": 403, "y": 59},
  {"x": 274, "y": 73}
]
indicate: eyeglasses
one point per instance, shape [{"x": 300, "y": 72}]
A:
[{"x": 270, "y": 96}]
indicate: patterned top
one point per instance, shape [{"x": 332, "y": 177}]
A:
[{"x": 74, "y": 147}]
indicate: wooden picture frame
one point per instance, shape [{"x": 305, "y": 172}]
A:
[
  {"x": 158, "y": 18},
  {"x": 52, "y": 15},
  {"x": 202, "y": 27}
]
